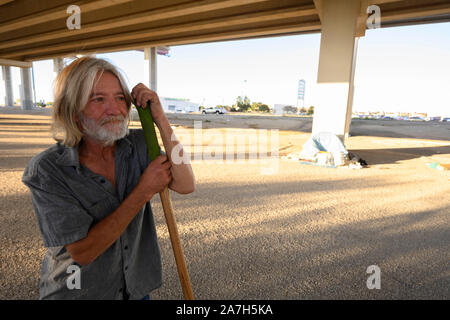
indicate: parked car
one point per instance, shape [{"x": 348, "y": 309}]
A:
[
  {"x": 387, "y": 118},
  {"x": 416, "y": 119},
  {"x": 445, "y": 119},
  {"x": 214, "y": 110}
]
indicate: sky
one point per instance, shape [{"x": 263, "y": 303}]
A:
[{"x": 404, "y": 69}]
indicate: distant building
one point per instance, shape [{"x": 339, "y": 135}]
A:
[{"x": 173, "y": 105}]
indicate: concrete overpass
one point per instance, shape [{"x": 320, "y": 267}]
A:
[{"x": 45, "y": 29}]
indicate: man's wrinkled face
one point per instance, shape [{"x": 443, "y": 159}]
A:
[{"x": 105, "y": 117}]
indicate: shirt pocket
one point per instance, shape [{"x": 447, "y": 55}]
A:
[{"x": 101, "y": 209}]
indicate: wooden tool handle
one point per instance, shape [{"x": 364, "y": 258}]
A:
[
  {"x": 176, "y": 245},
  {"x": 154, "y": 150}
]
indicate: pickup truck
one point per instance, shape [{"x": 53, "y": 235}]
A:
[{"x": 214, "y": 110}]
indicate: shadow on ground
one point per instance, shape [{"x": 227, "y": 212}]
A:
[
  {"x": 249, "y": 250},
  {"x": 393, "y": 155}
]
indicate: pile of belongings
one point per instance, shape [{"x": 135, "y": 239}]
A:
[{"x": 326, "y": 149}]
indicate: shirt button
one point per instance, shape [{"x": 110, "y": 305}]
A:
[
  {"x": 120, "y": 290},
  {"x": 126, "y": 268},
  {"x": 126, "y": 247}
]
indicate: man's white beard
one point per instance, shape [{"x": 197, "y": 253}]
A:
[{"x": 107, "y": 131}]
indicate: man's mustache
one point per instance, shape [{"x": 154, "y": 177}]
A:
[{"x": 111, "y": 119}]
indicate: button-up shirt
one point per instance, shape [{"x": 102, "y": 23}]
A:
[{"x": 68, "y": 200}]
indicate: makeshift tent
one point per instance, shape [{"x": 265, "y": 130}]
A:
[{"x": 323, "y": 142}]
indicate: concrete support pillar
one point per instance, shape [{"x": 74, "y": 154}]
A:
[
  {"x": 7, "y": 77},
  {"x": 58, "y": 65},
  {"x": 333, "y": 109},
  {"x": 150, "y": 57},
  {"x": 26, "y": 92},
  {"x": 351, "y": 92}
]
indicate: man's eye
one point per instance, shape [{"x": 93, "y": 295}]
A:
[
  {"x": 99, "y": 99},
  {"x": 121, "y": 98}
]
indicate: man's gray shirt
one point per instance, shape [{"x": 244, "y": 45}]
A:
[{"x": 69, "y": 199}]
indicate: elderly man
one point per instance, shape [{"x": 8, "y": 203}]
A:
[{"x": 91, "y": 190}]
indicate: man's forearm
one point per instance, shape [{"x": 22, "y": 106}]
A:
[
  {"x": 103, "y": 234},
  {"x": 182, "y": 174}
]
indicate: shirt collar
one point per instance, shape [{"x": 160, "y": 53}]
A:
[
  {"x": 125, "y": 145},
  {"x": 70, "y": 157}
]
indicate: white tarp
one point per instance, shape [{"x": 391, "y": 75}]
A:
[{"x": 326, "y": 142}]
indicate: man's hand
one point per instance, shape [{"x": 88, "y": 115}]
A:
[
  {"x": 182, "y": 179},
  {"x": 142, "y": 95},
  {"x": 156, "y": 177}
]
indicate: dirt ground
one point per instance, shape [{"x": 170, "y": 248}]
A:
[{"x": 265, "y": 227}]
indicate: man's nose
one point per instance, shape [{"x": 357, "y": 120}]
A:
[{"x": 113, "y": 107}]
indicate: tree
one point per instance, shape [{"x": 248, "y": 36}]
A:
[
  {"x": 255, "y": 106},
  {"x": 310, "y": 111},
  {"x": 264, "y": 108},
  {"x": 243, "y": 103}
]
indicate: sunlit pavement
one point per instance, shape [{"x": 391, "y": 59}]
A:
[{"x": 303, "y": 232}]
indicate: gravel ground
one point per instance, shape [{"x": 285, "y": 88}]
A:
[{"x": 302, "y": 232}]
